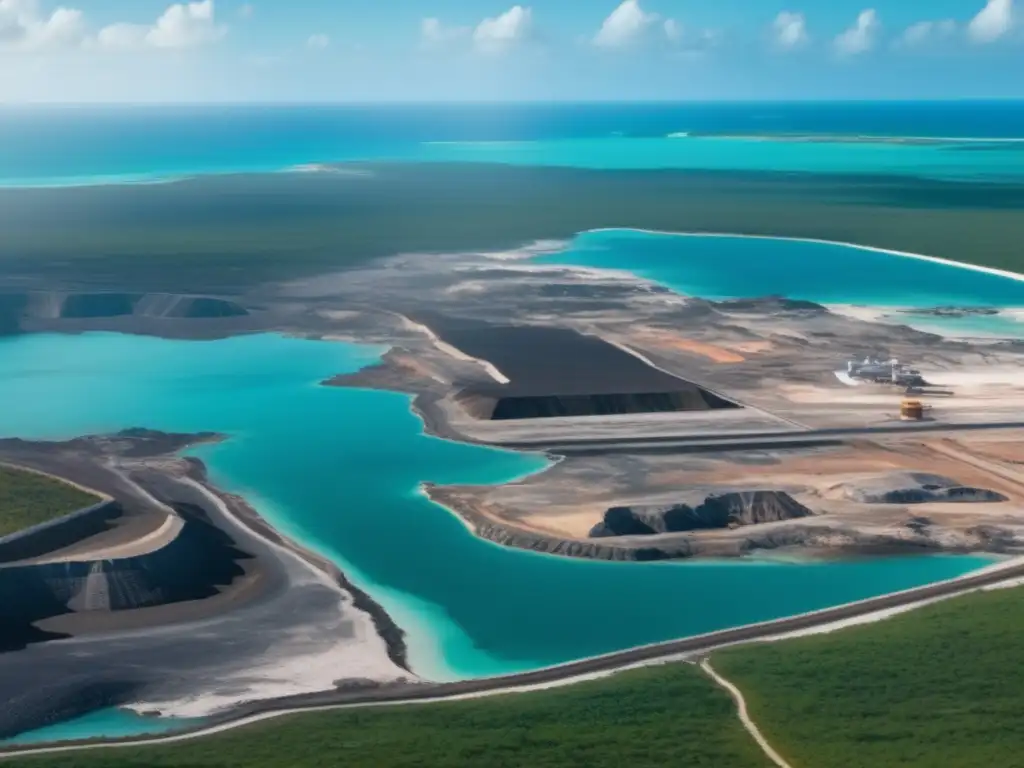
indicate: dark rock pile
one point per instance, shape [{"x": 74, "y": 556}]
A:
[{"x": 717, "y": 511}]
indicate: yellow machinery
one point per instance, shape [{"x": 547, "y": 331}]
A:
[{"x": 911, "y": 410}]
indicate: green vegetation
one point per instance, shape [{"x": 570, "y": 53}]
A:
[
  {"x": 663, "y": 716},
  {"x": 941, "y": 686},
  {"x": 28, "y": 498},
  {"x": 228, "y": 233}
]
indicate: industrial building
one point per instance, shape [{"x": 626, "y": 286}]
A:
[{"x": 875, "y": 371}]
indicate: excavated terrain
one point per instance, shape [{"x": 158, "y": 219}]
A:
[{"x": 718, "y": 511}]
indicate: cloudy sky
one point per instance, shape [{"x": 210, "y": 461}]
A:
[{"x": 402, "y": 50}]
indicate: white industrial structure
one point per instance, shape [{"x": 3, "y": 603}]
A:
[{"x": 880, "y": 372}]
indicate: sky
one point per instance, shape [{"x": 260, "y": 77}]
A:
[{"x": 491, "y": 50}]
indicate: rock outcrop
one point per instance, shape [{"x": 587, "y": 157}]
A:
[
  {"x": 718, "y": 511},
  {"x": 914, "y": 488}
]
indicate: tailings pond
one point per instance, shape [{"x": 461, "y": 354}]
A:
[{"x": 340, "y": 470}]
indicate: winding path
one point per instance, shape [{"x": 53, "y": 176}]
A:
[{"x": 741, "y": 706}]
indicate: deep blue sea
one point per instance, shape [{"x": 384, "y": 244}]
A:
[{"x": 76, "y": 145}]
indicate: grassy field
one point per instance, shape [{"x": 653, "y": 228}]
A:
[
  {"x": 942, "y": 686},
  {"x": 228, "y": 233},
  {"x": 667, "y": 716},
  {"x": 27, "y": 499}
]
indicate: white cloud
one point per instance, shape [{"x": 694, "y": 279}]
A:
[
  {"x": 692, "y": 44},
  {"x": 789, "y": 30},
  {"x": 673, "y": 30},
  {"x": 504, "y": 32},
  {"x": 992, "y": 22},
  {"x": 432, "y": 31},
  {"x": 64, "y": 28},
  {"x": 859, "y": 38},
  {"x": 708, "y": 39},
  {"x": 924, "y": 32},
  {"x": 22, "y": 27},
  {"x": 318, "y": 42},
  {"x": 122, "y": 36},
  {"x": 435, "y": 35},
  {"x": 185, "y": 25},
  {"x": 182, "y": 25},
  {"x": 626, "y": 25},
  {"x": 245, "y": 11}
]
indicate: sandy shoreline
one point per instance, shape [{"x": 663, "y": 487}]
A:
[{"x": 244, "y": 514}]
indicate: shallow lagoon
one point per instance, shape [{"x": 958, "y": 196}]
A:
[
  {"x": 728, "y": 267},
  {"x": 862, "y": 282}
]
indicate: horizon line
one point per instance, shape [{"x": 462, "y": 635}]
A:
[{"x": 510, "y": 102}]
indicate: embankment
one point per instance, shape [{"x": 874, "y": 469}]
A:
[
  {"x": 199, "y": 562},
  {"x": 57, "y": 534}
]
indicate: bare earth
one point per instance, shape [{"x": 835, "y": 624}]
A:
[{"x": 777, "y": 359}]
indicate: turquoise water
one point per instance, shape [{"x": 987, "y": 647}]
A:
[
  {"x": 340, "y": 470},
  {"x": 735, "y": 267},
  {"x": 104, "y": 723},
  {"x": 1005, "y": 325},
  {"x": 953, "y": 160},
  {"x": 87, "y": 145},
  {"x": 939, "y": 161}
]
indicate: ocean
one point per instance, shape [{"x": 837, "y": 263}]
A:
[{"x": 89, "y": 145}]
